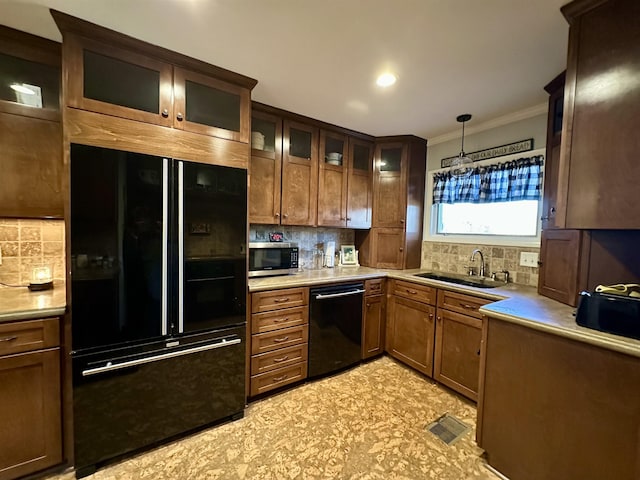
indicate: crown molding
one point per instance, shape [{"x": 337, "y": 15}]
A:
[{"x": 494, "y": 123}]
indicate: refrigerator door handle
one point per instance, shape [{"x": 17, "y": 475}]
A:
[
  {"x": 165, "y": 243},
  {"x": 180, "y": 247},
  {"x": 109, "y": 367}
]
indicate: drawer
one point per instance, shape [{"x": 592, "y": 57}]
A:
[
  {"x": 289, "y": 317},
  {"x": 278, "y": 378},
  {"x": 374, "y": 287},
  {"x": 285, "y": 337},
  {"x": 414, "y": 291},
  {"x": 24, "y": 336},
  {"x": 283, "y": 357},
  {"x": 461, "y": 303},
  {"x": 277, "y": 299}
]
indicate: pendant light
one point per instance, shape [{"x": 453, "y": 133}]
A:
[{"x": 462, "y": 164}]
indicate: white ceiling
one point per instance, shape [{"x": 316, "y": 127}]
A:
[{"x": 319, "y": 58}]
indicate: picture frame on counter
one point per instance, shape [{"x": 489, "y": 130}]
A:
[{"x": 348, "y": 255}]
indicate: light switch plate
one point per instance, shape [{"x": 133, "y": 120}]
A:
[{"x": 528, "y": 259}]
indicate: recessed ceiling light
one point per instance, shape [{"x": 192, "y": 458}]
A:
[
  {"x": 22, "y": 89},
  {"x": 386, "y": 80}
]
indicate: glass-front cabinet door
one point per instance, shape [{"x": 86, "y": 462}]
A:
[
  {"x": 29, "y": 75},
  {"x": 118, "y": 82},
  {"x": 209, "y": 106},
  {"x": 266, "y": 168},
  {"x": 332, "y": 187},
  {"x": 299, "y": 174},
  {"x": 389, "y": 203},
  {"x": 359, "y": 184}
]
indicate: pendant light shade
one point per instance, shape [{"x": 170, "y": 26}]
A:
[{"x": 462, "y": 164}]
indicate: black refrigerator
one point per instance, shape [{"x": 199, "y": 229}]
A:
[{"x": 158, "y": 299}]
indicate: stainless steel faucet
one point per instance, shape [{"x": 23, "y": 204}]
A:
[{"x": 473, "y": 254}]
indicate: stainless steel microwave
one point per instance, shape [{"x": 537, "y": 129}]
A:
[{"x": 272, "y": 258}]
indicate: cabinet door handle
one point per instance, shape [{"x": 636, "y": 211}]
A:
[
  {"x": 278, "y": 320},
  {"x": 280, "y": 340},
  {"x": 368, "y": 305},
  {"x": 401, "y": 249},
  {"x": 8, "y": 339},
  {"x": 402, "y": 220},
  {"x": 281, "y": 359},
  {"x": 439, "y": 319},
  {"x": 179, "y": 117},
  {"x": 348, "y": 219},
  {"x": 286, "y": 215},
  {"x": 280, "y": 300},
  {"x": 165, "y": 113},
  {"x": 412, "y": 292},
  {"x": 279, "y": 379},
  {"x": 466, "y": 306},
  {"x": 277, "y": 214}
]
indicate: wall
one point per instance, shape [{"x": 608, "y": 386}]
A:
[
  {"x": 307, "y": 238},
  {"x": 454, "y": 256},
  {"x": 25, "y": 243}
]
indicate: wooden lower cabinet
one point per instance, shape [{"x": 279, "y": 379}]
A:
[
  {"x": 457, "y": 352},
  {"x": 373, "y": 318},
  {"x": 30, "y": 402},
  {"x": 410, "y": 333},
  {"x": 279, "y": 340},
  {"x": 555, "y": 408}
]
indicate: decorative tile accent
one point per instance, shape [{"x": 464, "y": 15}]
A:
[
  {"x": 27, "y": 242},
  {"x": 455, "y": 258}
]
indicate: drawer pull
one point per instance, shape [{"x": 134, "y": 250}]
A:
[
  {"x": 412, "y": 292},
  {"x": 278, "y": 320},
  {"x": 466, "y": 306},
  {"x": 8, "y": 339},
  {"x": 280, "y": 340},
  {"x": 280, "y": 300},
  {"x": 281, "y": 359},
  {"x": 279, "y": 379}
]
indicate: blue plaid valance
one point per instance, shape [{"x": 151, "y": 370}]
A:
[{"x": 519, "y": 179}]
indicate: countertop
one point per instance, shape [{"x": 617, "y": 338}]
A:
[
  {"x": 18, "y": 303},
  {"x": 512, "y": 303}
]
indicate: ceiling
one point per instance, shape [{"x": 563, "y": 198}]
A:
[{"x": 490, "y": 58}]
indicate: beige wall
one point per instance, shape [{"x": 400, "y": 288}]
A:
[{"x": 25, "y": 243}]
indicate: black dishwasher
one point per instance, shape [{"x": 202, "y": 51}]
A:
[{"x": 335, "y": 328}]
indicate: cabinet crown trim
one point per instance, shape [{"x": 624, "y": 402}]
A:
[{"x": 72, "y": 25}]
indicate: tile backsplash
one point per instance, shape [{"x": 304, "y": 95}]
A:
[
  {"x": 307, "y": 238},
  {"x": 455, "y": 257},
  {"x": 27, "y": 242}
]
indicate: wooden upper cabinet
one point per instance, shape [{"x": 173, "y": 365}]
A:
[
  {"x": 30, "y": 75},
  {"x": 266, "y": 168},
  {"x": 332, "y": 186},
  {"x": 562, "y": 253},
  {"x": 359, "y": 184},
  {"x": 390, "y": 185},
  {"x": 555, "y": 88},
  {"x": 599, "y": 168},
  {"x": 30, "y": 128},
  {"x": 210, "y": 106},
  {"x": 110, "y": 73},
  {"x": 299, "y": 174}
]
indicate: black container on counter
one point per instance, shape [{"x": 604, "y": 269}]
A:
[{"x": 609, "y": 313}]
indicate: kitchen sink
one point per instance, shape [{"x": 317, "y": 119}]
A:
[{"x": 479, "y": 282}]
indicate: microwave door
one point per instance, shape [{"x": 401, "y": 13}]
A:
[{"x": 212, "y": 230}]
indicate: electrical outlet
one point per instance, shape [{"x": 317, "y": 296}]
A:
[{"x": 528, "y": 259}]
